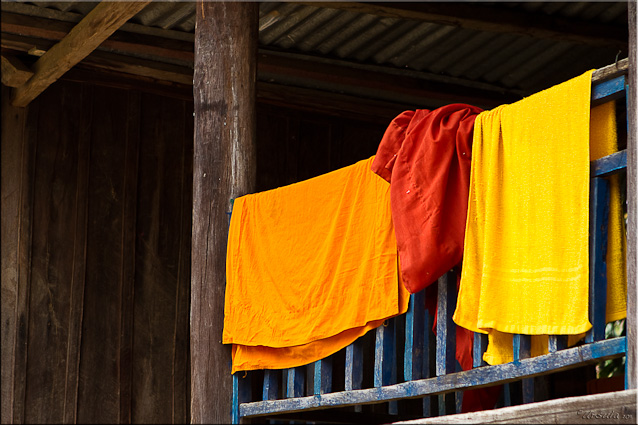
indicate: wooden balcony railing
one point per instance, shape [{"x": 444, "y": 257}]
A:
[{"x": 403, "y": 363}]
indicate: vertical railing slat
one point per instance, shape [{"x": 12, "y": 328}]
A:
[
  {"x": 385, "y": 372},
  {"x": 557, "y": 343},
  {"x": 241, "y": 393},
  {"x": 271, "y": 384},
  {"x": 323, "y": 376},
  {"x": 414, "y": 337},
  {"x": 478, "y": 349},
  {"x": 522, "y": 349},
  {"x": 428, "y": 344},
  {"x": 295, "y": 382},
  {"x": 446, "y": 337},
  {"x": 416, "y": 355},
  {"x": 598, "y": 210},
  {"x": 354, "y": 368}
]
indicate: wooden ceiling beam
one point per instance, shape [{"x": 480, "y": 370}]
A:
[
  {"x": 476, "y": 16},
  {"x": 301, "y": 71},
  {"x": 378, "y": 82},
  {"x": 134, "y": 43},
  {"x": 85, "y": 37},
  {"x": 14, "y": 72}
]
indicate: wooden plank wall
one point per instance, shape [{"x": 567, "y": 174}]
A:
[
  {"x": 96, "y": 201},
  {"x": 96, "y": 239},
  {"x": 294, "y": 145}
]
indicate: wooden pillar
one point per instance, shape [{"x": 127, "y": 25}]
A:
[
  {"x": 632, "y": 202},
  {"x": 223, "y": 168}
]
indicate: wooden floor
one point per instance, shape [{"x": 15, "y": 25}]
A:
[{"x": 609, "y": 408}]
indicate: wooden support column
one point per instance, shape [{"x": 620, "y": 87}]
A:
[
  {"x": 223, "y": 168},
  {"x": 632, "y": 202}
]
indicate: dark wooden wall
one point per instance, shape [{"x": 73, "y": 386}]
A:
[
  {"x": 96, "y": 254},
  {"x": 294, "y": 145},
  {"x": 96, "y": 224}
]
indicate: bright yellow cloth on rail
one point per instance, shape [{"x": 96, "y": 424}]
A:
[
  {"x": 310, "y": 267},
  {"x": 604, "y": 141},
  {"x": 525, "y": 262}
]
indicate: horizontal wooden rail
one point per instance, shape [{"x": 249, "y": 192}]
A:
[
  {"x": 608, "y": 90},
  {"x": 475, "y": 378},
  {"x": 609, "y": 164}
]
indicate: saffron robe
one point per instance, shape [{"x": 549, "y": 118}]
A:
[{"x": 310, "y": 267}]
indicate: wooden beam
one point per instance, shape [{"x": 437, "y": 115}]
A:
[
  {"x": 494, "y": 19},
  {"x": 631, "y": 373},
  {"x": 617, "y": 407},
  {"x": 141, "y": 67},
  {"x": 85, "y": 37},
  {"x": 224, "y": 167},
  {"x": 143, "y": 45},
  {"x": 14, "y": 72},
  {"x": 399, "y": 86},
  {"x": 379, "y": 82},
  {"x": 342, "y": 105},
  {"x": 471, "y": 379}
]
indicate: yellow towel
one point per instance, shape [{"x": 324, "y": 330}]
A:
[
  {"x": 525, "y": 264},
  {"x": 604, "y": 141},
  {"x": 310, "y": 267}
]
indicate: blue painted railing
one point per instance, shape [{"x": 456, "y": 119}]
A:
[{"x": 404, "y": 361}]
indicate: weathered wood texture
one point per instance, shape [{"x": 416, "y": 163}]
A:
[
  {"x": 85, "y": 37},
  {"x": 475, "y": 378},
  {"x": 608, "y": 408},
  {"x": 15, "y": 156},
  {"x": 224, "y": 167},
  {"x": 632, "y": 202},
  {"x": 294, "y": 145},
  {"x": 14, "y": 72},
  {"x": 96, "y": 191}
]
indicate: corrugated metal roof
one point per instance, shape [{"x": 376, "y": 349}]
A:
[
  {"x": 505, "y": 60},
  {"x": 508, "y": 60}
]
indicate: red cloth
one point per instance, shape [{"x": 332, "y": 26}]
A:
[{"x": 426, "y": 157}]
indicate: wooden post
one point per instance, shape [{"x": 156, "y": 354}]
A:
[
  {"x": 223, "y": 168},
  {"x": 632, "y": 202}
]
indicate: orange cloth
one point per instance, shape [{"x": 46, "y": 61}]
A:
[
  {"x": 426, "y": 157},
  {"x": 310, "y": 267}
]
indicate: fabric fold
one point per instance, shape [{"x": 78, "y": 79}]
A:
[
  {"x": 525, "y": 261},
  {"x": 426, "y": 157},
  {"x": 310, "y": 267}
]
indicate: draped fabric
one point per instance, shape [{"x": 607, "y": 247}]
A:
[
  {"x": 525, "y": 261},
  {"x": 426, "y": 157},
  {"x": 603, "y": 142},
  {"x": 310, "y": 267}
]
